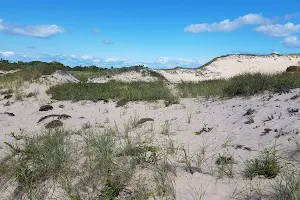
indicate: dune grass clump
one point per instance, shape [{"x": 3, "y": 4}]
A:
[
  {"x": 105, "y": 170},
  {"x": 203, "y": 88},
  {"x": 241, "y": 85},
  {"x": 89, "y": 72},
  {"x": 250, "y": 84},
  {"x": 96, "y": 166},
  {"x": 38, "y": 159},
  {"x": 30, "y": 71},
  {"x": 288, "y": 186},
  {"x": 266, "y": 165},
  {"x": 135, "y": 91}
]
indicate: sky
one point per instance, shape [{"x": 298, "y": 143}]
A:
[{"x": 156, "y": 33}]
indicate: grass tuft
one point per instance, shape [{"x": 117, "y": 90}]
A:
[
  {"x": 288, "y": 186},
  {"x": 123, "y": 92},
  {"x": 241, "y": 85},
  {"x": 266, "y": 165},
  {"x": 38, "y": 159}
]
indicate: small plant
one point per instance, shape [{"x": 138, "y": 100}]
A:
[
  {"x": 164, "y": 180},
  {"x": 38, "y": 159},
  {"x": 121, "y": 103},
  {"x": 266, "y": 165},
  {"x": 166, "y": 128},
  {"x": 225, "y": 165},
  {"x": 250, "y": 120},
  {"x": 288, "y": 186},
  {"x": 171, "y": 148},
  {"x": 193, "y": 163},
  {"x": 249, "y": 112},
  {"x": 19, "y": 96},
  {"x": 86, "y": 125},
  {"x": 188, "y": 161},
  {"x": 189, "y": 117},
  {"x": 271, "y": 117},
  {"x": 204, "y": 129}
]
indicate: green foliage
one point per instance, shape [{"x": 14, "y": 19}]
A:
[
  {"x": 293, "y": 69},
  {"x": 204, "y": 88},
  {"x": 241, "y": 85},
  {"x": 135, "y": 91},
  {"x": 38, "y": 159},
  {"x": 225, "y": 166},
  {"x": 29, "y": 71},
  {"x": 85, "y": 73},
  {"x": 288, "y": 186},
  {"x": 266, "y": 165}
]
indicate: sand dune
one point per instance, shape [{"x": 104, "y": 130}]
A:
[
  {"x": 142, "y": 75},
  {"x": 240, "y": 127},
  {"x": 232, "y": 65}
]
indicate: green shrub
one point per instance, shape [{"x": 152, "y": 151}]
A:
[
  {"x": 135, "y": 91},
  {"x": 266, "y": 165},
  {"x": 203, "y": 88},
  {"x": 241, "y": 85},
  {"x": 288, "y": 186},
  {"x": 36, "y": 160}
]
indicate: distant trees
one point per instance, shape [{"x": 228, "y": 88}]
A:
[{"x": 6, "y": 65}]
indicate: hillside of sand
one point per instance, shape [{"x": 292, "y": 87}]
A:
[
  {"x": 190, "y": 148},
  {"x": 232, "y": 65}
]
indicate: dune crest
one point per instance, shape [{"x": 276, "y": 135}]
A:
[{"x": 232, "y": 65}]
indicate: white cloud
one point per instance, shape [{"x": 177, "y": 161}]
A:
[
  {"x": 291, "y": 41},
  {"x": 163, "y": 60},
  {"x": 73, "y": 56},
  {"x": 95, "y": 31},
  {"x": 107, "y": 42},
  {"x": 228, "y": 25},
  {"x": 86, "y": 57},
  {"x": 174, "y": 62},
  {"x": 111, "y": 60},
  {"x": 279, "y": 30},
  {"x": 290, "y": 16},
  {"x": 40, "y": 31},
  {"x": 7, "y": 53},
  {"x": 97, "y": 60}
]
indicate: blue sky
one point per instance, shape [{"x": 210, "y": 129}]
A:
[{"x": 158, "y": 33}]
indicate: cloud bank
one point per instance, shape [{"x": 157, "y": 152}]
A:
[
  {"x": 229, "y": 25},
  {"x": 38, "y": 31},
  {"x": 87, "y": 60},
  {"x": 264, "y": 26},
  {"x": 279, "y": 30},
  {"x": 291, "y": 41}
]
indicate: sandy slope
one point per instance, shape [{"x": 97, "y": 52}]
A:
[
  {"x": 7, "y": 72},
  {"x": 142, "y": 75},
  {"x": 229, "y": 135},
  {"x": 231, "y": 65}
]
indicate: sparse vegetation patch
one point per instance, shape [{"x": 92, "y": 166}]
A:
[
  {"x": 266, "y": 165},
  {"x": 124, "y": 92}
]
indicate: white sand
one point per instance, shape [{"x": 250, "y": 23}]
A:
[
  {"x": 225, "y": 117},
  {"x": 143, "y": 75},
  {"x": 8, "y": 72},
  {"x": 232, "y": 65}
]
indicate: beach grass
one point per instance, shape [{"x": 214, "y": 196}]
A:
[
  {"x": 29, "y": 72},
  {"x": 241, "y": 85},
  {"x": 86, "y": 164},
  {"x": 134, "y": 91}
]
